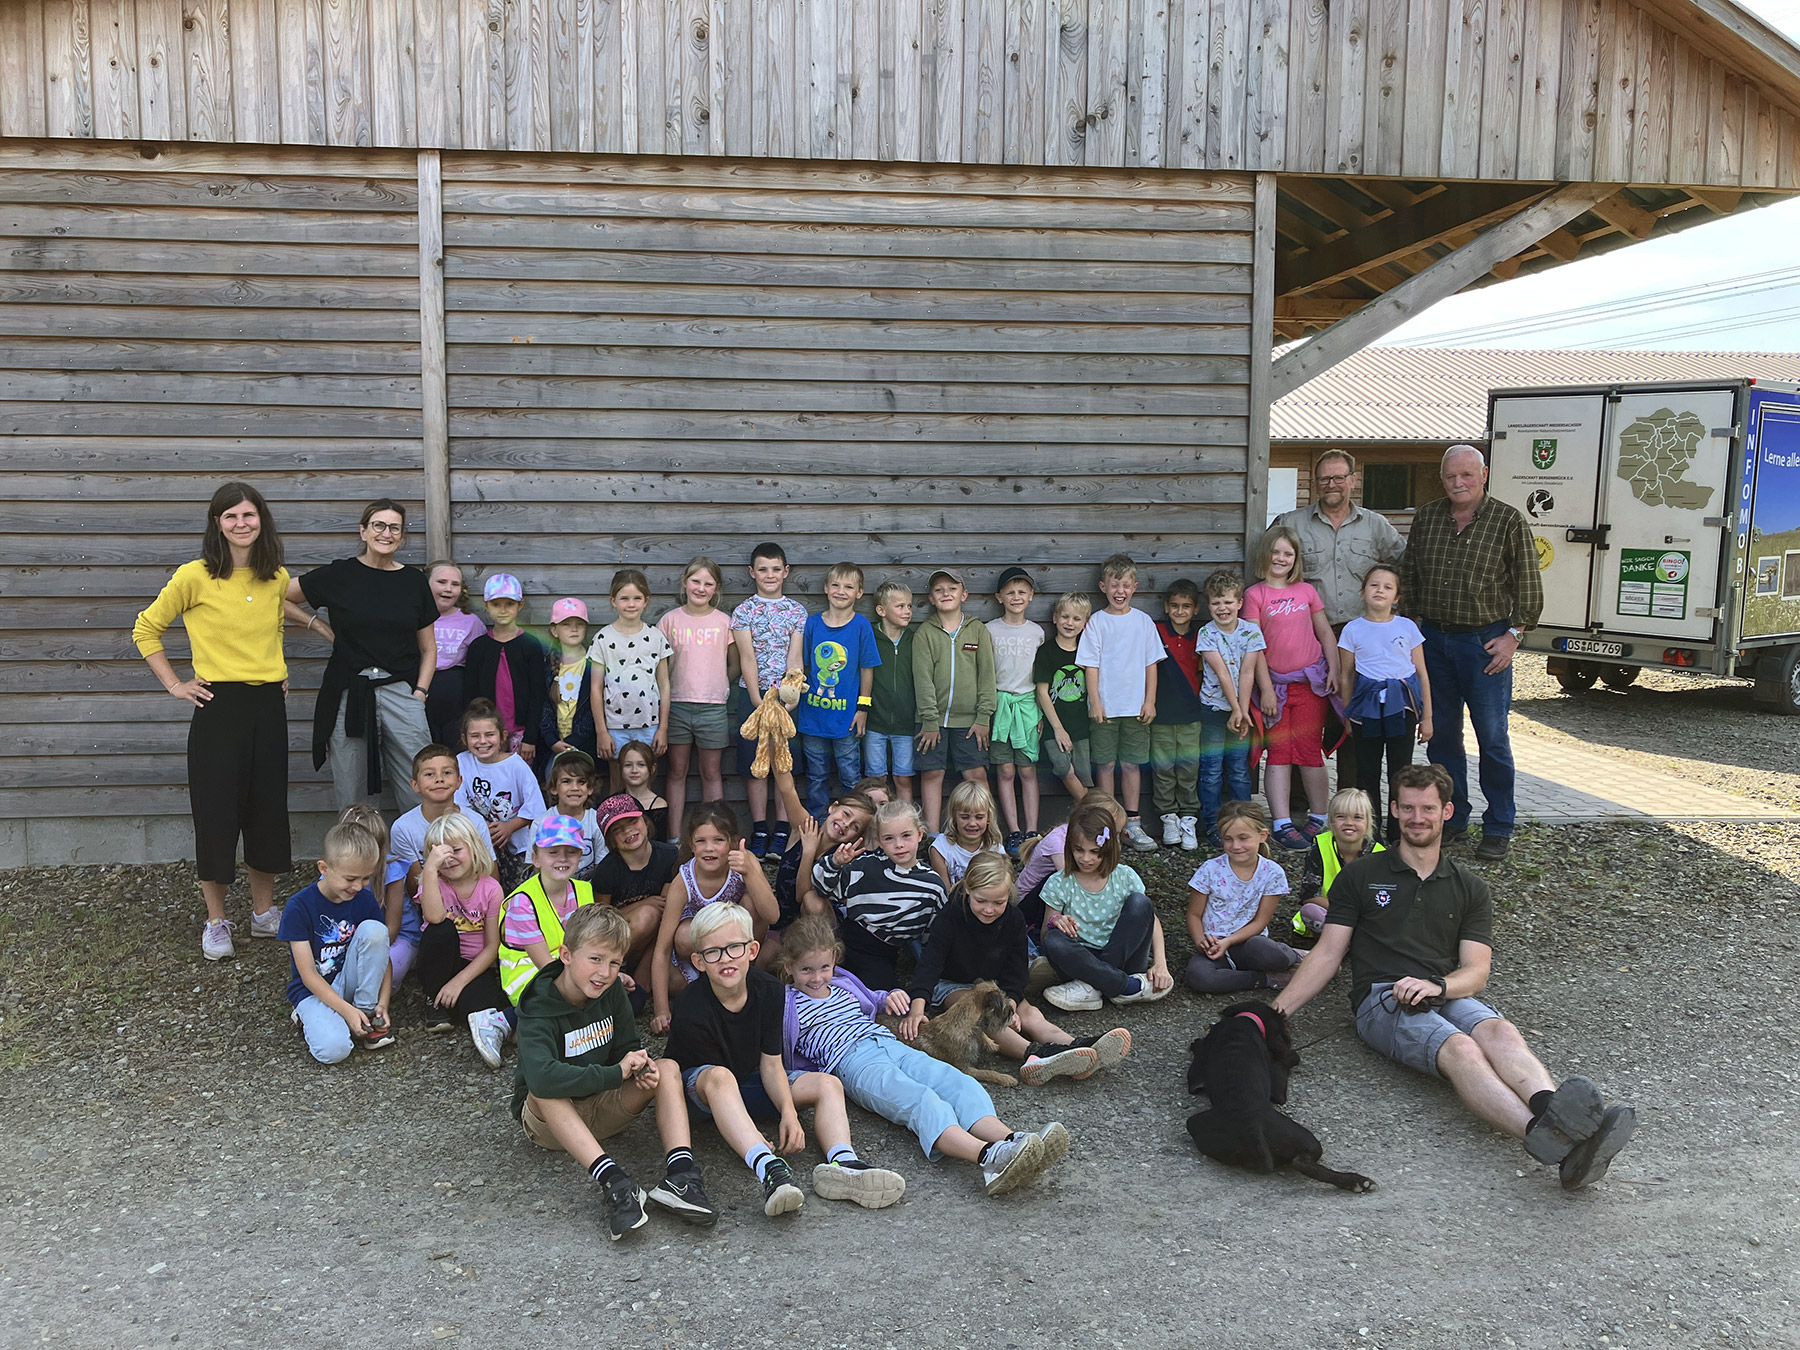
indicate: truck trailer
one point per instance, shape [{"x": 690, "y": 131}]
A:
[{"x": 1666, "y": 518}]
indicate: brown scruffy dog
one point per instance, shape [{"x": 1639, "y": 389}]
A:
[{"x": 958, "y": 1034}]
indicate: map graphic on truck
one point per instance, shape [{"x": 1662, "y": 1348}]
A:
[{"x": 1655, "y": 453}]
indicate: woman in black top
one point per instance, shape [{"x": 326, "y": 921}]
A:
[{"x": 371, "y": 708}]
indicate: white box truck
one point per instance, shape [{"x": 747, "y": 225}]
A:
[{"x": 1667, "y": 523}]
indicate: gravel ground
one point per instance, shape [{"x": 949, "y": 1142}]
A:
[{"x": 178, "y": 1171}]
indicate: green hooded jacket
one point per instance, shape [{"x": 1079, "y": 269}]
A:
[{"x": 568, "y": 1052}]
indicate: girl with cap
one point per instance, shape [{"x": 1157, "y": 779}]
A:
[
  {"x": 531, "y": 925},
  {"x": 633, "y": 876},
  {"x": 508, "y": 668},
  {"x": 567, "y": 722},
  {"x": 370, "y": 713}
]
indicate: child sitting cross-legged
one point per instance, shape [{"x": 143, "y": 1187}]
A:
[
  {"x": 727, "y": 1037},
  {"x": 1100, "y": 929},
  {"x": 1231, "y": 899},
  {"x": 980, "y": 935},
  {"x": 340, "y": 979},
  {"x": 830, "y": 1027},
  {"x": 584, "y": 1076},
  {"x": 459, "y": 949}
]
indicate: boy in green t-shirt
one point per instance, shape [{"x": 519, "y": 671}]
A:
[{"x": 1062, "y": 694}]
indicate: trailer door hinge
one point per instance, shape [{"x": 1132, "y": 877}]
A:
[
  {"x": 1498, "y": 436},
  {"x": 1714, "y": 522},
  {"x": 1725, "y": 433},
  {"x": 1707, "y": 613}
]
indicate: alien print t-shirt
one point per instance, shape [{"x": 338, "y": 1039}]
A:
[
  {"x": 327, "y": 926},
  {"x": 835, "y": 659}
]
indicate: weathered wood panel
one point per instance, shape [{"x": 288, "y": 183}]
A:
[
  {"x": 1529, "y": 89},
  {"x": 178, "y": 327}
]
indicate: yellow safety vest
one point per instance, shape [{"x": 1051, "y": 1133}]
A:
[
  {"x": 517, "y": 969},
  {"x": 1328, "y": 854}
]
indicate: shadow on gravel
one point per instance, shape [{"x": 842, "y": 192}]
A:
[
  {"x": 177, "y": 1168},
  {"x": 1716, "y": 723}
]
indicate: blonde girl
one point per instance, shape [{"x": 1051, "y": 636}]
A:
[
  {"x": 499, "y": 789},
  {"x": 830, "y": 1027},
  {"x": 455, "y": 629},
  {"x": 974, "y": 828},
  {"x": 1100, "y": 931},
  {"x": 460, "y": 897},
  {"x": 980, "y": 935},
  {"x": 719, "y": 869},
  {"x": 1302, "y": 661},
  {"x": 887, "y": 899},
  {"x": 1352, "y": 832},
  {"x": 1231, "y": 899},
  {"x": 700, "y": 675},
  {"x": 628, "y": 674}
]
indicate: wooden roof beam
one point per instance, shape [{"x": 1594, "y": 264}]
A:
[
  {"x": 1443, "y": 278},
  {"x": 1327, "y": 203},
  {"x": 1313, "y": 309},
  {"x": 1617, "y": 210},
  {"x": 1406, "y": 232},
  {"x": 1561, "y": 245},
  {"x": 1720, "y": 203}
]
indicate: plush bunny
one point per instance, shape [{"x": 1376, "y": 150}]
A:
[{"x": 771, "y": 726}]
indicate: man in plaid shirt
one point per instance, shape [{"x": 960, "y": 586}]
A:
[{"x": 1470, "y": 580}]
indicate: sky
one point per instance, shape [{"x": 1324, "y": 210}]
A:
[{"x": 1752, "y": 248}]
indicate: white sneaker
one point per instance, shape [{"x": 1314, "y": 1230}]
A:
[
  {"x": 1074, "y": 996},
  {"x": 1145, "y": 992},
  {"x": 1135, "y": 836},
  {"x": 266, "y": 925},
  {"x": 1012, "y": 1163},
  {"x": 215, "y": 940},
  {"x": 488, "y": 1028},
  {"x": 1190, "y": 834},
  {"x": 1055, "y": 1139},
  {"x": 1171, "y": 830}
]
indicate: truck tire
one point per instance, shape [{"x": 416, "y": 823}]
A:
[
  {"x": 1778, "y": 681},
  {"x": 1619, "y": 677},
  {"x": 1577, "y": 677}
]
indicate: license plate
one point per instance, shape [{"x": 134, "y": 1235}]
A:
[{"x": 1588, "y": 647}]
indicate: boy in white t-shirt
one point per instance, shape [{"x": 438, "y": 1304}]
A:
[
  {"x": 1119, "y": 652},
  {"x": 1390, "y": 700},
  {"x": 1013, "y": 744}
]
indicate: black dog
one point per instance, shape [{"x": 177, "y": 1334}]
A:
[{"x": 1243, "y": 1064}]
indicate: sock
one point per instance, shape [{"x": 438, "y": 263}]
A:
[
  {"x": 1540, "y": 1103},
  {"x": 845, "y": 1156},
  {"x": 602, "y": 1166},
  {"x": 758, "y": 1158},
  {"x": 679, "y": 1160},
  {"x": 1285, "y": 820},
  {"x": 985, "y": 1150},
  {"x": 1315, "y": 817},
  {"x": 759, "y": 827}
]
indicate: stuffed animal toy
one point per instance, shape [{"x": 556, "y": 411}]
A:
[{"x": 771, "y": 726}]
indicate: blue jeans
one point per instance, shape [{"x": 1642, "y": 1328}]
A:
[
  {"x": 1224, "y": 764},
  {"x": 885, "y": 1075},
  {"x": 1455, "y": 664},
  {"x": 820, "y": 751},
  {"x": 1110, "y": 968},
  {"x": 358, "y": 984},
  {"x": 884, "y": 754}
]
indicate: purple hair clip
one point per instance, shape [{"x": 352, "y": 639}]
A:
[{"x": 1101, "y": 838}]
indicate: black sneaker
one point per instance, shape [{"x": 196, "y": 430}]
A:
[
  {"x": 1454, "y": 832},
  {"x": 680, "y": 1193},
  {"x": 780, "y": 1194},
  {"x": 1587, "y": 1161},
  {"x": 1013, "y": 841},
  {"x": 624, "y": 1205},
  {"x": 778, "y": 840},
  {"x": 1575, "y": 1111},
  {"x": 439, "y": 1019},
  {"x": 759, "y": 842},
  {"x": 1492, "y": 848}
]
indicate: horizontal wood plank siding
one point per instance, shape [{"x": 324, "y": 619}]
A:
[
  {"x": 1528, "y": 89},
  {"x": 164, "y": 328},
  {"x": 954, "y": 366}
]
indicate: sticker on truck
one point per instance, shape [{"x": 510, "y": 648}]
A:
[{"x": 1653, "y": 583}]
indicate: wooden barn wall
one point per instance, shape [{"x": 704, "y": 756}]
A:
[
  {"x": 161, "y": 332},
  {"x": 1497, "y": 89},
  {"x": 965, "y": 368}
]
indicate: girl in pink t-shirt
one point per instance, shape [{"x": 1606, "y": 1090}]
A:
[
  {"x": 458, "y": 963},
  {"x": 700, "y": 674},
  {"x": 1301, "y": 650}
]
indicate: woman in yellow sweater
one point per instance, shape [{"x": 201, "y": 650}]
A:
[{"x": 232, "y": 601}]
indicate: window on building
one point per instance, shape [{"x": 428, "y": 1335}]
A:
[{"x": 1387, "y": 487}]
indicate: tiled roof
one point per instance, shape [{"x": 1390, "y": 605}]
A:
[{"x": 1440, "y": 393}]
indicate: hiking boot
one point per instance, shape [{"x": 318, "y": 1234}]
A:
[
  {"x": 680, "y": 1194},
  {"x": 1171, "y": 831},
  {"x": 1074, "y": 996},
  {"x": 215, "y": 940},
  {"x": 1574, "y": 1113},
  {"x": 1012, "y": 1163},
  {"x": 857, "y": 1182},
  {"x": 1057, "y": 1061},
  {"x": 624, "y": 1205},
  {"x": 488, "y": 1028},
  {"x": 1109, "y": 1048},
  {"x": 1587, "y": 1161},
  {"x": 780, "y": 1194},
  {"x": 1135, "y": 836},
  {"x": 267, "y": 924},
  {"x": 1492, "y": 848}
]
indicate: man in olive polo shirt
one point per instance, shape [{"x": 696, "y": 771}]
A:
[{"x": 1418, "y": 928}]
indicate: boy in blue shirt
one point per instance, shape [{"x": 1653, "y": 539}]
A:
[
  {"x": 839, "y": 649},
  {"x": 338, "y": 936},
  {"x": 1233, "y": 671}
]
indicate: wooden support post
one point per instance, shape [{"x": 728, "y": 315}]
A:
[
  {"x": 1444, "y": 278},
  {"x": 434, "y": 419},
  {"x": 1262, "y": 351}
]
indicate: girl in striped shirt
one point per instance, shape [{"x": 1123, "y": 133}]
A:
[{"x": 887, "y": 899}]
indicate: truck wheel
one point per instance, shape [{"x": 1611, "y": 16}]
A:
[
  {"x": 1577, "y": 677},
  {"x": 1620, "y": 677},
  {"x": 1778, "y": 681}
]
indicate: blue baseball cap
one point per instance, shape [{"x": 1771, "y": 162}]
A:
[
  {"x": 502, "y": 586},
  {"x": 558, "y": 831}
]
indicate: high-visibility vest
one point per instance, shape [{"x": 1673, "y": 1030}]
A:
[
  {"x": 517, "y": 969},
  {"x": 1328, "y": 854}
]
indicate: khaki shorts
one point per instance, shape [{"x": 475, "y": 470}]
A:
[
  {"x": 1119, "y": 740},
  {"x": 603, "y": 1113},
  {"x": 707, "y": 725}
]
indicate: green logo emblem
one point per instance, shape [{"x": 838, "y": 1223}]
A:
[{"x": 1543, "y": 454}]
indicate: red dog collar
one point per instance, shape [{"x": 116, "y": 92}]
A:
[{"x": 1259, "y": 1023}]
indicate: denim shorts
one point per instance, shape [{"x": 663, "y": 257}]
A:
[
  {"x": 642, "y": 735},
  {"x": 755, "y": 1095},
  {"x": 884, "y": 754},
  {"x": 706, "y": 725},
  {"x": 956, "y": 749},
  {"x": 1414, "y": 1038},
  {"x": 941, "y": 991}
]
